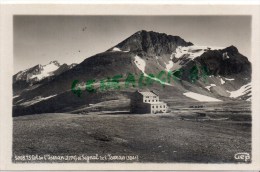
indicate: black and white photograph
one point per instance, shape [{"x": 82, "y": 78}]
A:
[{"x": 132, "y": 89}]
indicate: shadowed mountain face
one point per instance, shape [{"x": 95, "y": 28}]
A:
[
  {"x": 225, "y": 62},
  {"x": 152, "y": 43},
  {"x": 184, "y": 68}
]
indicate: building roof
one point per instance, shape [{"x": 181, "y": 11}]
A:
[{"x": 147, "y": 93}]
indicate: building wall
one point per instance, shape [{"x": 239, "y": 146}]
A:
[
  {"x": 144, "y": 104},
  {"x": 150, "y": 99},
  {"x": 156, "y": 108},
  {"x": 137, "y": 105}
]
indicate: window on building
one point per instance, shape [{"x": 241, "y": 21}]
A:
[
  {"x": 148, "y": 100},
  {"x": 144, "y": 100},
  {"x": 160, "y": 106},
  {"x": 156, "y": 106}
]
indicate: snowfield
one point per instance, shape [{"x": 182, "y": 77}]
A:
[
  {"x": 229, "y": 79},
  {"x": 47, "y": 70},
  {"x": 116, "y": 49},
  {"x": 222, "y": 81},
  {"x": 200, "y": 97},
  {"x": 241, "y": 91},
  {"x": 211, "y": 85},
  {"x": 38, "y": 99},
  {"x": 193, "y": 51},
  {"x": 169, "y": 65},
  {"x": 140, "y": 64},
  {"x": 225, "y": 55}
]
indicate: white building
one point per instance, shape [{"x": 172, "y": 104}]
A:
[{"x": 147, "y": 102}]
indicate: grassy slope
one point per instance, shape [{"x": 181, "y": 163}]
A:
[{"x": 154, "y": 138}]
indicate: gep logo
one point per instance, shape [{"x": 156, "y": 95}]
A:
[{"x": 242, "y": 156}]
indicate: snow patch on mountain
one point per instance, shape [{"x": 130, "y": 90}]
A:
[
  {"x": 231, "y": 79},
  {"x": 193, "y": 51},
  {"x": 46, "y": 70},
  {"x": 222, "y": 81},
  {"x": 172, "y": 55},
  {"x": 36, "y": 100},
  {"x": 72, "y": 65},
  {"x": 140, "y": 63},
  {"x": 211, "y": 85},
  {"x": 156, "y": 57},
  {"x": 208, "y": 87},
  {"x": 225, "y": 55},
  {"x": 200, "y": 97},
  {"x": 39, "y": 72},
  {"x": 169, "y": 65},
  {"x": 19, "y": 100},
  {"x": 116, "y": 49},
  {"x": 241, "y": 91},
  {"x": 16, "y": 96}
]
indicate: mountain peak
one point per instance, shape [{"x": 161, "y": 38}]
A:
[
  {"x": 152, "y": 43},
  {"x": 55, "y": 62},
  {"x": 143, "y": 32},
  {"x": 140, "y": 31},
  {"x": 231, "y": 49},
  {"x": 37, "y": 72}
]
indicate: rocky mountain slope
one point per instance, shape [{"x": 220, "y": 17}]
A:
[
  {"x": 169, "y": 65},
  {"x": 38, "y": 74}
]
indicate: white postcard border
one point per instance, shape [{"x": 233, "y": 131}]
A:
[{"x": 6, "y": 72}]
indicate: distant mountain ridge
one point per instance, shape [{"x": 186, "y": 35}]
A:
[
  {"x": 227, "y": 71},
  {"x": 38, "y": 73}
]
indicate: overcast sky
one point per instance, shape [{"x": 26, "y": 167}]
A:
[{"x": 41, "y": 39}]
